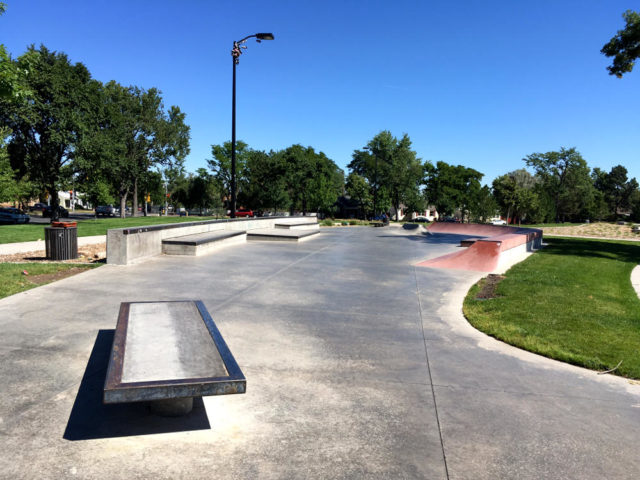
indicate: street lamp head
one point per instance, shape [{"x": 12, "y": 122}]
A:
[{"x": 264, "y": 36}]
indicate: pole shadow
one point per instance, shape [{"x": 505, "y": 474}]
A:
[{"x": 91, "y": 419}]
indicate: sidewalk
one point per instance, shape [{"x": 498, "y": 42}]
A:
[{"x": 22, "y": 247}]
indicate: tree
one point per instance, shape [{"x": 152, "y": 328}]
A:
[
  {"x": 616, "y": 188},
  {"x": 326, "y": 185},
  {"x": 515, "y": 194},
  {"x": 392, "y": 170},
  {"x": 564, "y": 178},
  {"x": 450, "y": 187},
  {"x": 624, "y": 47},
  {"x": 314, "y": 181},
  {"x": 266, "y": 182},
  {"x": 635, "y": 206},
  {"x": 485, "y": 205},
  {"x": 203, "y": 191},
  {"x": 135, "y": 134},
  {"x": 360, "y": 191},
  {"x": 220, "y": 165},
  {"x": 47, "y": 129}
]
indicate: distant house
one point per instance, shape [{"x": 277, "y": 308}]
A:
[{"x": 430, "y": 212}]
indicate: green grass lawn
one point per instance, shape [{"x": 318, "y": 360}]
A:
[
  {"x": 86, "y": 228},
  {"x": 572, "y": 301},
  {"x": 12, "y": 280}
]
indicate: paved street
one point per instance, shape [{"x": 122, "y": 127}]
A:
[{"x": 358, "y": 365}]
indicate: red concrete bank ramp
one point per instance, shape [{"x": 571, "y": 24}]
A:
[{"x": 484, "y": 254}]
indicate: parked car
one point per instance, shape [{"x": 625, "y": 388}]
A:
[
  {"x": 37, "y": 207},
  {"x": 244, "y": 213},
  {"x": 13, "y": 215},
  {"x": 420, "y": 219},
  {"x": 62, "y": 212},
  {"x": 498, "y": 221},
  {"x": 106, "y": 211}
]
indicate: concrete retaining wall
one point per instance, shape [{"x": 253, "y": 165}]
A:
[{"x": 126, "y": 246}]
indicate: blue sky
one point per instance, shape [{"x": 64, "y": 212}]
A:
[{"x": 477, "y": 83}]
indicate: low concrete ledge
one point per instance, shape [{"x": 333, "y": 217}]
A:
[
  {"x": 298, "y": 226},
  {"x": 126, "y": 246},
  {"x": 201, "y": 243},
  {"x": 279, "y": 235}
]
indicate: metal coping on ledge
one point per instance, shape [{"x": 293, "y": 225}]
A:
[
  {"x": 168, "y": 389},
  {"x": 215, "y": 236}
]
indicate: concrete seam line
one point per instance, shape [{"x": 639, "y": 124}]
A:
[
  {"x": 433, "y": 392},
  {"x": 269, "y": 277}
]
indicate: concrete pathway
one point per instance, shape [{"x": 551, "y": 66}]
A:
[
  {"x": 358, "y": 365},
  {"x": 37, "y": 245}
]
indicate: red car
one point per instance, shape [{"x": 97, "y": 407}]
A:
[{"x": 244, "y": 213}]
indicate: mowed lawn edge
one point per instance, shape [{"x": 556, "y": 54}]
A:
[
  {"x": 13, "y": 280},
  {"x": 86, "y": 228},
  {"x": 572, "y": 301}
]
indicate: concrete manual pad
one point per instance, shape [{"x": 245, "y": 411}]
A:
[
  {"x": 361, "y": 367},
  {"x": 168, "y": 341},
  {"x": 280, "y": 234},
  {"x": 169, "y": 350}
]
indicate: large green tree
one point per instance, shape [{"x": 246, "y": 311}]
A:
[
  {"x": 203, "y": 191},
  {"x": 616, "y": 187},
  {"x": 624, "y": 47},
  {"x": 314, "y": 181},
  {"x": 516, "y": 195},
  {"x": 564, "y": 178},
  {"x": 265, "y": 185},
  {"x": 360, "y": 191},
  {"x": 220, "y": 165},
  {"x": 392, "y": 170},
  {"x": 136, "y": 134},
  {"x": 452, "y": 187},
  {"x": 58, "y": 116}
]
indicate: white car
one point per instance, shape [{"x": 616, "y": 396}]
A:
[{"x": 498, "y": 221}]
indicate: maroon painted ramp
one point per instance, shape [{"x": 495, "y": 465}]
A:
[{"x": 484, "y": 254}]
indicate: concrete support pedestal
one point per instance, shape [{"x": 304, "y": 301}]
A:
[{"x": 175, "y": 407}]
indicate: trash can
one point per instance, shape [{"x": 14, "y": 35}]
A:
[{"x": 61, "y": 240}]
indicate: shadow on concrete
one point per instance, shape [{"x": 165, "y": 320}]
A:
[
  {"x": 91, "y": 419},
  {"x": 436, "y": 239}
]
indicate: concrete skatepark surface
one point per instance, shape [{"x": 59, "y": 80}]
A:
[{"x": 358, "y": 365}]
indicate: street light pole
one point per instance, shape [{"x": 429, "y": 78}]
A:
[{"x": 235, "y": 55}]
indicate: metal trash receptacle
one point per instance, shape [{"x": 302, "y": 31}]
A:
[{"x": 61, "y": 241}]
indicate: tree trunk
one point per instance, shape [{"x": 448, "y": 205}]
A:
[
  {"x": 55, "y": 202},
  {"x": 134, "y": 208},
  {"x": 123, "y": 202}
]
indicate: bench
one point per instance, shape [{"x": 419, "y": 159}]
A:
[
  {"x": 201, "y": 243},
  {"x": 167, "y": 353}
]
